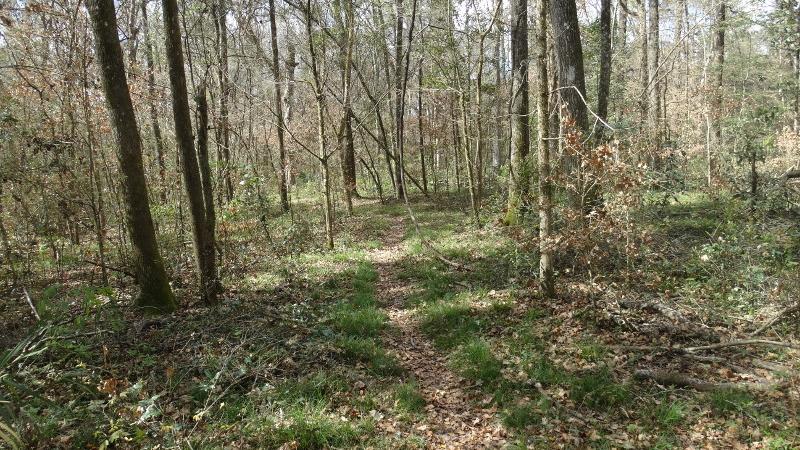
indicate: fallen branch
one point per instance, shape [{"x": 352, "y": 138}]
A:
[
  {"x": 741, "y": 343},
  {"x": 111, "y": 268},
  {"x": 778, "y": 317},
  {"x": 681, "y": 380},
  {"x": 30, "y": 303}
]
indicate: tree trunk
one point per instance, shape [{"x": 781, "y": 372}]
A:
[
  {"x": 604, "y": 79},
  {"x": 654, "y": 85},
  {"x": 279, "y": 115},
  {"x": 572, "y": 90},
  {"x": 497, "y": 153},
  {"x": 346, "y": 144},
  {"x": 220, "y": 14},
  {"x": 520, "y": 125},
  {"x": 155, "y": 292},
  {"x": 715, "y": 108},
  {"x": 644, "y": 77},
  {"x": 151, "y": 101},
  {"x": 420, "y": 131},
  {"x": 545, "y": 184},
  {"x": 183, "y": 137},
  {"x": 398, "y": 100},
  {"x": 209, "y": 249}
]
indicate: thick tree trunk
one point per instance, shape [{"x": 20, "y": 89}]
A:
[
  {"x": 572, "y": 90},
  {"x": 545, "y": 184},
  {"x": 283, "y": 181},
  {"x": 183, "y": 135},
  {"x": 520, "y": 125},
  {"x": 155, "y": 292}
]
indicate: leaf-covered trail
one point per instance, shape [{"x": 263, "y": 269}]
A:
[{"x": 453, "y": 416}]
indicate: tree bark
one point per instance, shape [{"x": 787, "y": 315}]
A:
[
  {"x": 155, "y": 293},
  {"x": 151, "y": 101},
  {"x": 183, "y": 135},
  {"x": 715, "y": 108},
  {"x": 220, "y": 11},
  {"x": 545, "y": 184},
  {"x": 644, "y": 77},
  {"x": 654, "y": 84},
  {"x": 520, "y": 125},
  {"x": 283, "y": 181},
  {"x": 604, "y": 79}
]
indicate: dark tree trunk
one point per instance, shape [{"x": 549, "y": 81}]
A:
[
  {"x": 571, "y": 79},
  {"x": 604, "y": 80},
  {"x": 419, "y": 129},
  {"x": 644, "y": 77},
  {"x": 151, "y": 92},
  {"x": 209, "y": 283},
  {"x": 279, "y": 115},
  {"x": 398, "y": 100},
  {"x": 654, "y": 85},
  {"x": 545, "y": 183},
  {"x": 155, "y": 292},
  {"x": 520, "y": 125}
]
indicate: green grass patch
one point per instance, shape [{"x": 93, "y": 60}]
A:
[
  {"x": 448, "y": 323},
  {"x": 475, "y": 361},
  {"x": 408, "y": 397},
  {"x": 520, "y": 417},
  {"x": 726, "y": 401},
  {"x": 365, "y": 350},
  {"x": 544, "y": 371},
  {"x": 351, "y": 320},
  {"x": 598, "y": 390},
  {"x": 309, "y": 426}
]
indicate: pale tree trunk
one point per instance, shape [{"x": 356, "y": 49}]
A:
[
  {"x": 155, "y": 293},
  {"x": 545, "y": 183},
  {"x": 322, "y": 156},
  {"x": 283, "y": 181},
  {"x": 288, "y": 105},
  {"x": 209, "y": 283},
  {"x": 497, "y": 153},
  {"x": 520, "y": 127}
]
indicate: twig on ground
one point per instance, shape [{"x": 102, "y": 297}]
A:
[
  {"x": 681, "y": 380},
  {"x": 778, "y": 318},
  {"x": 30, "y": 303}
]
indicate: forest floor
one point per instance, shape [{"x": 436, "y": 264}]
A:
[{"x": 384, "y": 343}]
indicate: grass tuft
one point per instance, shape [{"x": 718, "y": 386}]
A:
[
  {"x": 475, "y": 361},
  {"x": 597, "y": 389},
  {"x": 408, "y": 397}
]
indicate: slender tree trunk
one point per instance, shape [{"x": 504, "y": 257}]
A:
[
  {"x": 288, "y": 103},
  {"x": 420, "y": 131},
  {"x": 398, "y": 100},
  {"x": 520, "y": 125},
  {"x": 545, "y": 184},
  {"x": 322, "y": 155},
  {"x": 715, "y": 109},
  {"x": 283, "y": 181},
  {"x": 209, "y": 249},
  {"x": 155, "y": 292},
  {"x": 346, "y": 144},
  {"x": 497, "y": 153},
  {"x": 151, "y": 101},
  {"x": 654, "y": 85},
  {"x": 220, "y": 11},
  {"x": 183, "y": 137},
  {"x": 604, "y": 80},
  {"x": 644, "y": 73}
]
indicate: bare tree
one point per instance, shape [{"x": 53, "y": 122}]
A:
[
  {"x": 545, "y": 183},
  {"x": 520, "y": 126}
]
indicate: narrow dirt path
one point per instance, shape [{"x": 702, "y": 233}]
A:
[{"x": 453, "y": 417}]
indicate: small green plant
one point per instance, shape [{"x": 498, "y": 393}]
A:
[
  {"x": 597, "y": 389},
  {"x": 591, "y": 351},
  {"x": 365, "y": 350},
  {"x": 354, "y": 321},
  {"x": 408, "y": 397},
  {"x": 475, "y": 361},
  {"x": 522, "y": 416},
  {"x": 724, "y": 401},
  {"x": 310, "y": 427}
]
